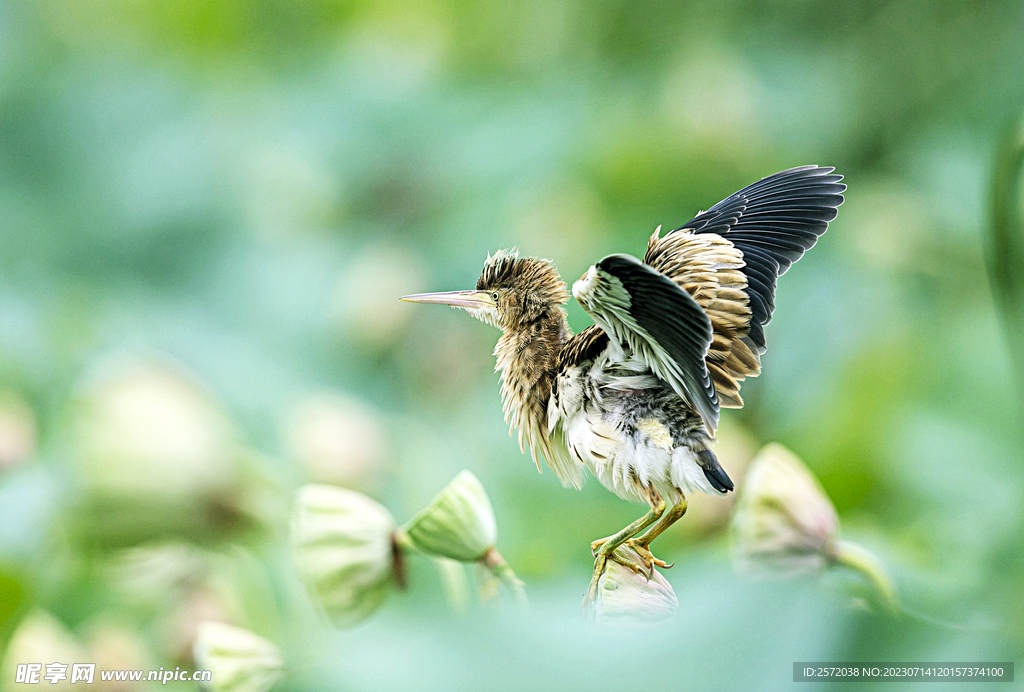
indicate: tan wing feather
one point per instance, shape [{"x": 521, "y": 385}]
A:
[{"x": 708, "y": 267}]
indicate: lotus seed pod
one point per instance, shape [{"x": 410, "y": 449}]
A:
[
  {"x": 145, "y": 428},
  {"x": 783, "y": 519},
  {"x": 344, "y": 549},
  {"x": 458, "y": 523},
  {"x": 238, "y": 660},
  {"x": 625, "y": 595}
]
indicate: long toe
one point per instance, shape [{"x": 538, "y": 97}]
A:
[
  {"x": 595, "y": 545},
  {"x": 661, "y": 563},
  {"x": 626, "y": 560},
  {"x": 647, "y": 556},
  {"x": 620, "y": 556},
  {"x": 600, "y": 565}
]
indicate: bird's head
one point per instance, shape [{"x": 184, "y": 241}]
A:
[{"x": 511, "y": 292}]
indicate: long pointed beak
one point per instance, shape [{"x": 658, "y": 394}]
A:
[{"x": 457, "y": 299}]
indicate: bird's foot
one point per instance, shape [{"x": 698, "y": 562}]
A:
[
  {"x": 602, "y": 555},
  {"x": 595, "y": 548},
  {"x": 645, "y": 554}
]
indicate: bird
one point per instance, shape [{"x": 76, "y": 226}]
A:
[{"x": 635, "y": 398}]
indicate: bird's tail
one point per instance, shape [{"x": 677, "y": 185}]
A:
[{"x": 714, "y": 472}]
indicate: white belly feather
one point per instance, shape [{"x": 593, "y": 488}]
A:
[
  {"x": 625, "y": 464},
  {"x": 582, "y": 417}
]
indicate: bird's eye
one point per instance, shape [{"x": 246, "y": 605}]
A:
[{"x": 494, "y": 296}]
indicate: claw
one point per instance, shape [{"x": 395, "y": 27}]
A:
[
  {"x": 602, "y": 556},
  {"x": 625, "y": 561},
  {"x": 645, "y": 554},
  {"x": 605, "y": 549}
]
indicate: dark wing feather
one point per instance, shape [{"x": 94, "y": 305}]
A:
[
  {"x": 729, "y": 259},
  {"x": 583, "y": 347},
  {"x": 773, "y": 222},
  {"x": 648, "y": 315}
]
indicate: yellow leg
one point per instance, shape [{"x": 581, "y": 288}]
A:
[
  {"x": 642, "y": 544},
  {"x": 604, "y": 549}
]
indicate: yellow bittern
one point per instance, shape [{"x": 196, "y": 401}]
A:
[{"x": 635, "y": 397}]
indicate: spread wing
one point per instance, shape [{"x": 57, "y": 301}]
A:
[
  {"x": 645, "y": 313},
  {"x": 730, "y": 257}
]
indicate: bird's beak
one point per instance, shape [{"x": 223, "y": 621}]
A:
[{"x": 478, "y": 300}]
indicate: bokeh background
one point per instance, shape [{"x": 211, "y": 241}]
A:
[{"x": 208, "y": 209}]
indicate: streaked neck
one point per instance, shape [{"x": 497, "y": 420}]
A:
[{"x": 527, "y": 358}]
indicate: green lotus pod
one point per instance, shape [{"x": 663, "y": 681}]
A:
[
  {"x": 238, "y": 660},
  {"x": 784, "y": 522},
  {"x": 625, "y": 595},
  {"x": 783, "y": 519},
  {"x": 157, "y": 456},
  {"x": 143, "y": 428},
  {"x": 458, "y": 523},
  {"x": 343, "y": 543}
]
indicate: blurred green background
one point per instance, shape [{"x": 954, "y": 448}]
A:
[{"x": 208, "y": 209}]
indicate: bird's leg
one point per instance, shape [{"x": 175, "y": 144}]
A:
[
  {"x": 605, "y": 548},
  {"x": 641, "y": 544}
]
